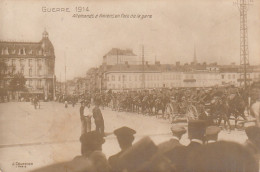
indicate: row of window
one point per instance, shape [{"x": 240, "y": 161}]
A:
[
  {"x": 140, "y": 77},
  {"x": 39, "y": 62},
  {"x": 171, "y": 77},
  {"x": 156, "y": 85},
  {"x": 234, "y": 76},
  {"x": 12, "y": 71},
  {"x": 32, "y": 83},
  {"x": 21, "y": 51}
]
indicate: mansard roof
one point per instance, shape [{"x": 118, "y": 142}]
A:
[
  {"x": 30, "y": 48},
  {"x": 117, "y": 51}
]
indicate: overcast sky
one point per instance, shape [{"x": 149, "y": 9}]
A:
[{"x": 170, "y": 35}]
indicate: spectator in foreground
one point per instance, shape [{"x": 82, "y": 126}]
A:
[
  {"x": 92, "y": 158},
  {"x": 253, "y": 142},
  {"x": 125, "y": 138},
  {"x": 221, "y": 156},
  {"x": 177, "y": 133},
  {"x": 211, "y": 135},
  {"x": 196, "y": 133}
]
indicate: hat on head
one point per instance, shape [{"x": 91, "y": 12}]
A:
[
  {"x": 179, "y": 130},
  {"x": 124, "y": 131},
  {"x": 196, "y": 129},
  {"x": 92, "y": 137},
  {"x": 212, "y": 130},
  {"x": 252, "y": 131}
]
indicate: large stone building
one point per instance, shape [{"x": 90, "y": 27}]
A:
[
  {"x": 119, "y": 56},
  {"x": 35, "y": 60}
]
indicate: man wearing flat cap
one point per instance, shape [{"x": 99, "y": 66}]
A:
[
  {"x": 177, "y": 132},
  {"x": 125, "y": 138},
  {"x": 211, "y": 135}
]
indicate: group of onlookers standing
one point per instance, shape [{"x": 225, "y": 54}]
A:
[
  {"x": 86, "y": 114},
  {"x": 204, "y": 153}
]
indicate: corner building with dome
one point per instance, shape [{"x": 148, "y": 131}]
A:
[{"x": 35, "y": 60}]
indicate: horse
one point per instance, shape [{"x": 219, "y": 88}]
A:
[
  {"x": 236, "y": 107},
  {"x": 219, "y": 110},
  {"x": 159, "y": 105}
]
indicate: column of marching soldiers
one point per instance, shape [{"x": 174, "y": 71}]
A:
[{"x": 214, "y": 104}]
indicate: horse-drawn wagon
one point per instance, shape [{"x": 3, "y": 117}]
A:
[{"x": 180, "y": 111}]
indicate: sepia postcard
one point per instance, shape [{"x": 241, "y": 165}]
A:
[{"x": 129, "y": 85}]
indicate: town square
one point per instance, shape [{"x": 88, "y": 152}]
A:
[{"x": 127, "y": 86}]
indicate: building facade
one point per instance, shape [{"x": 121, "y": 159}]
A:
[
  {"x": 35, "y": 60},
  {"x": 133, "y": 77}
]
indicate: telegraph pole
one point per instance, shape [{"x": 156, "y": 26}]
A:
[
  {"x": 65, "y": 77},
  {"x": 143, "y": 72},
  {"x": 244, "y": 54},
  {"x": 60, "y": 84}
]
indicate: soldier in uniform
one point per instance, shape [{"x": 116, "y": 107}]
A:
[
  {"x": 177, "y": 132},
  {"x": 211, "y": 134},
  {"x": 125, "y": 138}
]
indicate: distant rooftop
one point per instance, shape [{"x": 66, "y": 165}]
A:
[{"x": 117, "y": 51}]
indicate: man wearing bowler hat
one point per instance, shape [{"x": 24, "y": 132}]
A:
[{"x": 125, "y": 138}]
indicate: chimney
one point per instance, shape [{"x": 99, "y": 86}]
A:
[{"x": 178, "y": 63}]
